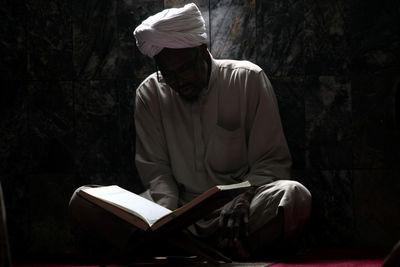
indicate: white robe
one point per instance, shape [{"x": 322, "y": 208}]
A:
[{"x": 232, "y": 133}]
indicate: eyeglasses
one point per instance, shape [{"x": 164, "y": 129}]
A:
[{"x": 172, "y": 77}]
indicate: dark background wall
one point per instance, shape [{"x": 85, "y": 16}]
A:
[{"x": 70, "y": 68}]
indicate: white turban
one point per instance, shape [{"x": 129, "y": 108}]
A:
[{"x": 172, "y": 28}]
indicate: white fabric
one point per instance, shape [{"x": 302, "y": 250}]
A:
[
  {"x": 291, "y": 196},
  {"x": 172, "y": 28},
  {"x": 232, "y": 133}
]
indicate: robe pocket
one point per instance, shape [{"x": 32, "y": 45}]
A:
[{"x": 227, "y": 151}]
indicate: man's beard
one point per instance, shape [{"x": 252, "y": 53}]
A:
[{"x": 191, "y": 98}]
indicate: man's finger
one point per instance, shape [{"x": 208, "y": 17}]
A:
[
  {"x": 223, "y": 217},
  {"x": 236, "y": 229},
  {"x": 245, "y": 226},
  {"x": 231, "y": 227},
  {"x": 231, "y": 222}
]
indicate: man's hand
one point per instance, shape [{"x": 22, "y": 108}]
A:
[{"x": 234, "y": 220}]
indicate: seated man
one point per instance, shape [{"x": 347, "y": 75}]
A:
[{"x": 201, "y": 122}]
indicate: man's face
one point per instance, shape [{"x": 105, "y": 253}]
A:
[{"x": 184, "y": 70}]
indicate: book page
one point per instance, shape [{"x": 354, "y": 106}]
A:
[
  {"x": 130, "y": 202},
  {"x": 233, "y": 186}
]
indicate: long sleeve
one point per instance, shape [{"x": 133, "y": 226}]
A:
[
  {"x": 268, "y": 154},
  {"x": 233, "y": 132},
  {"x": 152, "y": 160}
]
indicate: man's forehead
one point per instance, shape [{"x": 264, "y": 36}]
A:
[{"x": 174, "y": 56}]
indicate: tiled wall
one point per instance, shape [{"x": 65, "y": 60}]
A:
[{"x": 69, "y": 71}]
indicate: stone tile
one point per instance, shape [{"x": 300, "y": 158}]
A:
[
  {"x": 128, "y": 176},
  {"x": 13, "y": 40},
  {"x": 328, "y": 122},
  {"x": 326, "y": 36},
  {"x": 15, "y": 153},
  {"x": 51, "y": 126},
  {"x": 49, "y": 26},
  {"x": 375, "y": 38},
  {"x": 233, "y": 29},
  {"x": 290, "y": 96},
  {"x": 332, "y": 220},
  {"x": 55, "y": 66},
  {"x": 377, "y": 202},
  {"x": 49, "y": 40},
  {"x": 98, "y": 139},
  {"x": 95, "y": 39},
  {"x": 280, "y": 31},
  {"x": 376, "y": 104},
  {"x": 127, "y": 126},
  {"x": 131, "y": 63},
  {"x": 13, "y": 65},
  {"x": 203, "y": 6},
  {"x": 104, "y": 45}
]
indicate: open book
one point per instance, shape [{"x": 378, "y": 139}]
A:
[{"x": 148, "y": 215}]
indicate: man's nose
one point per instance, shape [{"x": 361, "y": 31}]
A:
[{"x": 180, "y": 80}]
